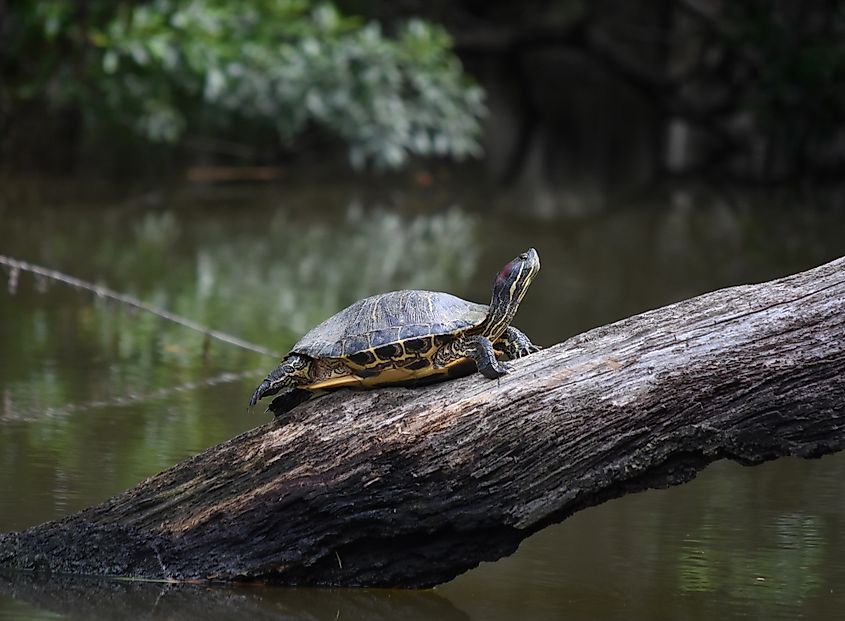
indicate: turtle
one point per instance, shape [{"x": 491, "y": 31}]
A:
[{"x": 405, "y": 338}]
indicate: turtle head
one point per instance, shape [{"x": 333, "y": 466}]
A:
[{"x": 508, "y": 290}]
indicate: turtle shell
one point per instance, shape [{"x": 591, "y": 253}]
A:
[{"x": 389, "y": 318}]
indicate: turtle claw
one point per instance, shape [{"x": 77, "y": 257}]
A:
[
  {"x": 521, "y": 352},
  {"x": 254, "y": 399},
  {"x": 516, "y": 345},
  {"x": 259, "y": 392}
]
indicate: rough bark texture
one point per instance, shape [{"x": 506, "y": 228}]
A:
[{"x": 402, "y": 487}]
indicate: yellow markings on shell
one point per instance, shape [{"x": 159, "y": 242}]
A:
[
  {"x": 373, "y": 314},
  {"x": 388, "y": 375},
  {"x": 334, "y": 382},
  {"x": 388, "y": 372}
]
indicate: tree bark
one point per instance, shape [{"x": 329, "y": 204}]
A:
[{"x": 410, "y": 487}]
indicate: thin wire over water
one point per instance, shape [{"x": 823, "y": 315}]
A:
[
  {"x": 17, "y": 266},
  {"x": 10, "y": 412}
]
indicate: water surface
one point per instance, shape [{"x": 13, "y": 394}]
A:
[{"x": 94, "y": 398}]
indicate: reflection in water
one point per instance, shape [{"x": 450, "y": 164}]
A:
[
  {"x": 761, "y": 543},
  {"x": 144, "y": 397},
  {"x": 91, "y": 599},
  {"x": 272, "y": 290},
  {"x": 82, "y": 377},
  {"x": 787, "y": 569},
  {"x": 765, "y": 542},
  {"x": 303, "y": 274}
]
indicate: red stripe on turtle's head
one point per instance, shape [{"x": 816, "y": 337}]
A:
[
  {"x": 528, "y": 259},
  {"x": 522, "y": 268},
  {"x": 509, "y": 289},
  {"x": 505, "y": 272}
]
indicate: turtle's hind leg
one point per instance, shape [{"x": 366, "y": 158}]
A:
[
  {"x": 291, "y": 372},
  {"x": 288, "y": 400}
]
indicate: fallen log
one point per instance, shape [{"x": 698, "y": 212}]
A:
[{"x": 410, "y": 487}]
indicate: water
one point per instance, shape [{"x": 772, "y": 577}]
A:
[{"x": 94, "y": 398}]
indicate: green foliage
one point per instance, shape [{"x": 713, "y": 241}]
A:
[{"x": 168, "y": 67}]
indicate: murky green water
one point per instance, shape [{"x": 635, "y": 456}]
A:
[{"x": 93, "y": 398}]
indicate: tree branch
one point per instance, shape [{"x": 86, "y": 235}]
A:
[{"x": 400, "y": 487}]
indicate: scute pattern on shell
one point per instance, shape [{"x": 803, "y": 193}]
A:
[{"x": 389, "y": 318}]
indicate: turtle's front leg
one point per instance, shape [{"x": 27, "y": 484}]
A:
[
  {"x": 479, "y": 349},
  {"x": 515, "y": 344},
  {"x": 485, "y": 358}
]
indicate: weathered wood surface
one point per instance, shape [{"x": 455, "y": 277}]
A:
[{"x": 401, "y": 487}]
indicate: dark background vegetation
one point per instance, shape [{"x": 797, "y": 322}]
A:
[{"x": 594, "y": 98}]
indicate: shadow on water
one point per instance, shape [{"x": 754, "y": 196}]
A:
[{"x": 93, "y": 599}]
